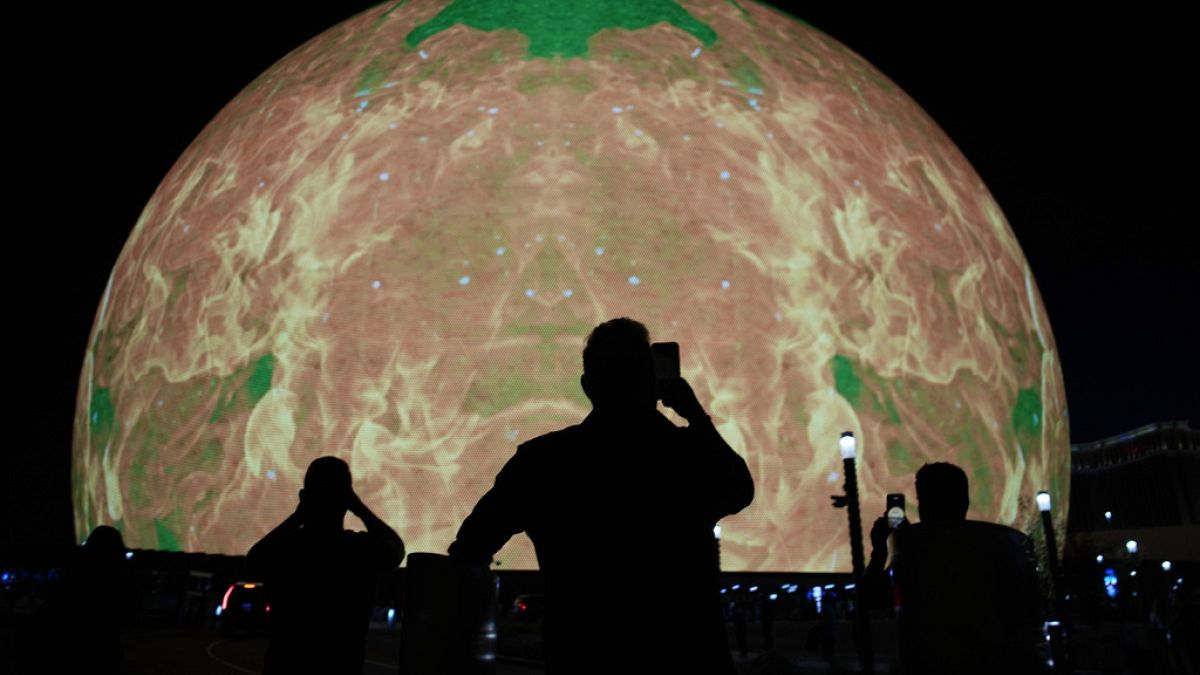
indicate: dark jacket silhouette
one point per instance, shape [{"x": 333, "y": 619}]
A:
[
  {"x": 620, "y": 509},
  {"x": 320, "y": 578},
  {"x": 967, "y": 598},
  {"x": 966, "y": 593}
]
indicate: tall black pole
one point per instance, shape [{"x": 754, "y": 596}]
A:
[
  {"x": 1056, "y": 628},
  {"x": 857, "y": 558},
  {"x": 1052, "y": 562},
  {"x": 862, "y": 620}
]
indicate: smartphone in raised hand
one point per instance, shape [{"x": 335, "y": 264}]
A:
[
  {"x": 895, "y": 509},
  {"x": 666, "y": 362}
]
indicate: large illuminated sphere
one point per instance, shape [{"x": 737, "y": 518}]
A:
[{"x": 391, "y": 246}]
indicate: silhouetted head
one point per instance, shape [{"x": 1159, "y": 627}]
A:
[
  {"x": 327, "y": 488},
  {"x": 942, "y": 492},
  {"x": 104, "y": 543},
  {"x": 618, "y": 368}
]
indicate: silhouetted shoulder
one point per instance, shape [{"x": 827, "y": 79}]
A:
[
  {"x": 553, "y": 439},
  {"x": 540, "y": 448}
]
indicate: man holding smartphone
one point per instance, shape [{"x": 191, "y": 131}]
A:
[
  {"x": 621, "y": 509},
  {"x": 966, "y": 592}
]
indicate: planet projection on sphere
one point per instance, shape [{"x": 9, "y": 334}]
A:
[{"x": 391, "y": 246}]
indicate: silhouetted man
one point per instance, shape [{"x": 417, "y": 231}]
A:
[
  {"x": 321, "y": 578},
  {"x": 621, "y": 510},
  {"x": 966, "y": 592}
]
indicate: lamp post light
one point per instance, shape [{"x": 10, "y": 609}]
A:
[
  {"x": 1058, "y": 629},
  {"x": 1131, "y": 547},
  {"x": 717, "y": 545},
  {"x": 848, "y": 447},
  {"x": 1043, "y": 501}
]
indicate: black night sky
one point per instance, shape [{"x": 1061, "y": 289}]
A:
[{"x": 1079, "y": 123}]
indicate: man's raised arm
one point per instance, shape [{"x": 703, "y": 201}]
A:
[
  {"x": 729, "y": 480},
  {"x": 393, "y": 545},
  {"x": 500, "y": 514}
]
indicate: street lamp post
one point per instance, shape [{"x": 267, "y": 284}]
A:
[
  {"x": 1043, "y": 502},
  {"x": 1135, "y": 602},
  {"x": 1056, "y": 627},
  {"x": 848, "y": 447}
]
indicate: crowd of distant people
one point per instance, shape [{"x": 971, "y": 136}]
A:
[{"x": 966, "y": 593}]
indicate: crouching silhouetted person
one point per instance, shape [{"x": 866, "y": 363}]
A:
[
  {"x": 621, "y": 509},
  {"x": 321, "y": 578},
  {"x": 966, "y": 592}
]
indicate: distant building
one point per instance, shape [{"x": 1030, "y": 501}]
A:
[{"x": 1142, "y": 485}]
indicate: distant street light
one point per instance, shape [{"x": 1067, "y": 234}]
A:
[
  {"x": 848, "y": 445},
  {"x": 1131, "y": 546},
  {"x": 1166, "y": 565},
  {"x": 1043, "y": 501}
]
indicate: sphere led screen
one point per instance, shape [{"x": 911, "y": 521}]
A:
[{"x": 391, "y": 246}]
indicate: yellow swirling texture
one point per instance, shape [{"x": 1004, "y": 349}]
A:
[{"x": 392, "y": 253}]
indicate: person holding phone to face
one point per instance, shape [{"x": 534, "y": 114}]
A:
[
  {"x": 621, "y": 509},
  {"x": 966, "y": 592}
]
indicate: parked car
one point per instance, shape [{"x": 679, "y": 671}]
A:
[{"x": 244, "y": 609}]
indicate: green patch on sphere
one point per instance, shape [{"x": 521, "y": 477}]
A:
[
  {"x": 244, "y": 388},
  {"x": 746, "y": 72},
  {"x": 373, "y": 75},
  {"x": 259, "y": 382},
  {"x": 1027, "y": 418},
  {"x": 102, "y": 416},
  {"x": 849, "y": 385},
  {"x": 167, "y": 541},
  {"x": 557, "y": 27},
  {"x": 852, "y": 380}
]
